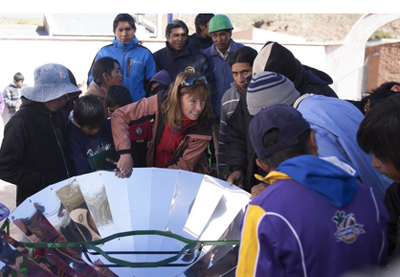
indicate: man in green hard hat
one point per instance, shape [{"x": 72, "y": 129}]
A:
[{"x": 220, "y": 28}]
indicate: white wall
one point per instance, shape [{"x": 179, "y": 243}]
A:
[{"x": 24, "y": 55}]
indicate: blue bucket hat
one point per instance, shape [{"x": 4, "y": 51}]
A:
[{"x": 51, "y": 82}]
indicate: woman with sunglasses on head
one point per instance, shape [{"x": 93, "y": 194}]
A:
[{"x": 181, "y": 130}]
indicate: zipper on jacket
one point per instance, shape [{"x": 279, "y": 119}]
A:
[
  {"x": 59, "y": 145},
  {"x": 166, "y": 147},
  {"x": 128, "y": 68}
]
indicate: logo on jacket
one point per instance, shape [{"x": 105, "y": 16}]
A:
[
  {"x": 190, "y": 69},
  {"x": 138, "y": 131},
  {"x": 348, "y": 229}
]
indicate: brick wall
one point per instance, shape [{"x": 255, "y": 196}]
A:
[{"x": 384, "y": 64}]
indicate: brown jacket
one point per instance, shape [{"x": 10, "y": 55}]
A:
[{"x": 190, "y": 154}]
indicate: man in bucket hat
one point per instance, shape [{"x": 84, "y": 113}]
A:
[
  {"x": 314, "y": 218},
  {"x": 34, "y": 152}
]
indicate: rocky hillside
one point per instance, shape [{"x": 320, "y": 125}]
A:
[{"x": 314, "y": 27}]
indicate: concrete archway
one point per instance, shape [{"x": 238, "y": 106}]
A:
[{"x": 346, "y": 62}]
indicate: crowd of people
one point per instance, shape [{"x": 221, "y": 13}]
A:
[{"x": 323, "y": 172}]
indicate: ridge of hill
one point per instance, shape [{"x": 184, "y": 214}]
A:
[{"x": 320, "y": 27}]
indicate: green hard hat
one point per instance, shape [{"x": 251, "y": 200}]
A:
[{"x": 219, "y": 22}]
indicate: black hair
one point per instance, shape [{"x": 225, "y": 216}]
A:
[
  {"x": 379, "y": 132},
  {"x": 103, "y": 65},
  {"x": 202, "y": 19},
  {"x": 176, "y": 23},
  {"x": 245, "y": 54},
  {"x": 69, "y": 106},
  {"x": 118, "y": 96},
  {"x": 124, "y": 17},
  {"x": 18, "y": 77},
  {"x": 275, "y": 135},
  {"x": 382, "y": 92},
  {"x": 88, "y": 111}
]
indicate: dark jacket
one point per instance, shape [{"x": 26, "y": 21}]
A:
[
  {"x": 189, "y": 59},
  {"x": 34, "y": 153},
  {"x": 240, "y": 155},
  {"x": 392, "y": 203},
  {"x": 83, "y": 146},
  {"x": 305, "y": 78},
  {"x": 199, "y": 42},
  {"x": 222, "y": 73}
]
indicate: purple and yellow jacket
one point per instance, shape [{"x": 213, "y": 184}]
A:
[{"x": 314, "y": 219}]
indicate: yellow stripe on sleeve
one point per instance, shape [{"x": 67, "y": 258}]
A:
[{"x": 249, "y": 244}]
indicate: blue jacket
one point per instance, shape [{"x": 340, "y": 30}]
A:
[
  {"x": 314, "y": 219},
  {"x": 82, "y": 145},
  {"x": 189, "y": 59},
  {"x": 335, "y": 123},
  {"x": 222, "y": 74},
  {"x": 137, "y": 65}
]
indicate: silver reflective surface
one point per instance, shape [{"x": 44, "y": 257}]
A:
[{"x": 98, "y": 204}]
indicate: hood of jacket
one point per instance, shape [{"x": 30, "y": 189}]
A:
[
  {"x": 40, "y": 106},
  {"x": 130, "y": 44},
  {"x": 280, "y": 59},
  {"x": 329, "y": 178},
  {"x": 95, "y": 89},
  {"x": 161, "y": 77}
]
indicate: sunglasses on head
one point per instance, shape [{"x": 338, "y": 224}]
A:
[
  {"x": 395, "y": 88},
  {"x": 192, "y": 80}
]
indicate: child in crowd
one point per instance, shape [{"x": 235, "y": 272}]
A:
[
  {"x": 12, "y": 96},
  {"x": 379, "y": 134},
  {"x": 160, "y": 81},
  {"x": 139, "y": 131},
  {"x": 89, "y": 134}
]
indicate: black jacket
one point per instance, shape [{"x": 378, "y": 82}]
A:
[
  {"x": 189, "y": 59},
  {"x": 34, "y": 153},
  {"x": 240, "y": 155},
  {"x": 306, "y": 79},
  {"x": 200, "y": 43}
]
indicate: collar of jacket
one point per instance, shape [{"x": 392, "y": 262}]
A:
[
  {"x": 185, "y": 51},
  {"x": 215, "y": 52},
  {"x": 129, "y": 45},
  {"x": 14, "y": 85},
  {"x": 40, "y": 106}
]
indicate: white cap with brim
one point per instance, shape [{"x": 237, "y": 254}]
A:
[{"x": 51, "y": 82}]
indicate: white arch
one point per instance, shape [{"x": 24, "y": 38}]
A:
[{"x": 345, "y": 63}]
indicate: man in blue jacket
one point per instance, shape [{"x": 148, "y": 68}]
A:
[
  {"x": 314, "y": 218},
  {"x": 137, "y": 63}
]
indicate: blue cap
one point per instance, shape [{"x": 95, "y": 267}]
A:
[{"x": 283, "y": 117}]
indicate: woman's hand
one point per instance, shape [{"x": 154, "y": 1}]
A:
[{"x": 124, "y": 166}]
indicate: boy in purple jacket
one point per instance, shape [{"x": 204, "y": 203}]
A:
[{"x": 314, "y": 218}]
